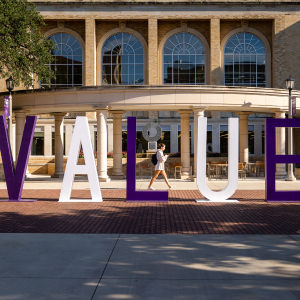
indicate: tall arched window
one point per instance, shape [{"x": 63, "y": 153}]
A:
[
  {"x": 183, "y": 60},
  {"x": 122, "y": 60},
  {"x": 245, "y": 61},
  {"x": 67, "y": 64}
]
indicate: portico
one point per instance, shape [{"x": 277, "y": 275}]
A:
[{"x": 115, "y": 102}]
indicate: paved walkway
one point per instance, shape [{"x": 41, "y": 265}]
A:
[
  {"x": 149, "y": 267},
  {"x": 258, "y": 257}
]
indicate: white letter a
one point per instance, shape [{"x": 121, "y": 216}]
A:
[{"x": 81, "y": 136}]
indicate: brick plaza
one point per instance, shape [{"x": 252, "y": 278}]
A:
[{"x": 251, "y": 215}]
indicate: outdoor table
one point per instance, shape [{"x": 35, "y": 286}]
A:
[
  {"x": 251, "y": 168},
  {"x": 220, "y": 170}
]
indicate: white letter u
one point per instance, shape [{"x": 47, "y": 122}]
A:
[{"x": 233, "y": 157}]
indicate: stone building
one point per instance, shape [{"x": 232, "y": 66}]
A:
[{"x": 164, "y": 62}]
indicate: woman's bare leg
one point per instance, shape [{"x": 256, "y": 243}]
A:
[
  {"x": 157, "y": 172},
  {"x": 163, "y": 173}
]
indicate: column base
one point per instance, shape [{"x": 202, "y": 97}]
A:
[
  {"x": 118, "y": 176},
  {"x": 28, "y": 174},
  {"x": 104, "y": 179},
  {"x": 280, "y": 174},
  {"x": 290, "y": 177},
  {"x": 58, "y": 175},
  {"x": 185, "y": 175}
]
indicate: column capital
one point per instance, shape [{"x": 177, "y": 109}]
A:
[
  {"x": 101, "y": 108},
  {"x": 243, "y": 114},
  {"x": 199, "y": 111},
  {"x": 117, "y": 113},
  {"x": 58, "y": 114},
  {"x": 20, "y": 113},
  {"x": 280, "y": 114},
  {"x": 185, "y": 113}
]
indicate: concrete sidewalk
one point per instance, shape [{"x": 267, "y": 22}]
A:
[
  {"x": 87, "y": 266},
  {"x": 42, "y": 182}
]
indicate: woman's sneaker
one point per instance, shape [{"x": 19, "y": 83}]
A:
[{"x": 151, "y": 188}]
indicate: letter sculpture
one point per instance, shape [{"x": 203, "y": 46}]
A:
[
  {"x": 81, "y": 136},
  {"x": 233, "y": 155},
  {"x": 15, "y": 177},
  {"x": 272, "y": 159},
  {"x": 132, "y": 194}
]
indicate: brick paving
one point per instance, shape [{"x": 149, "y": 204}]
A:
[{"x": 182, "y": 215}]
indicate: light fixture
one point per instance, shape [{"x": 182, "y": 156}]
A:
[
  {"x": 289, "y": 83},
  {"x": 10, "y": 84}
]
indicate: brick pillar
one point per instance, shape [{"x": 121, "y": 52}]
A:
[
  {"x": 278, "y": 57},
  {"x": 152, "y": 52},
  {"x": 90, "y": 52},
  {"x": 215, "y": 52}
]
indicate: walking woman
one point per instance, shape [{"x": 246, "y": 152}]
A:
[{"x": 160, "y": 166}]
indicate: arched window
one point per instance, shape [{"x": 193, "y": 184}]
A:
[
  {"x": 122, "y": 60},
  {"x": 67, "y": 64},
  {"x": 245, "y": 61},
  {"x": 183, "y": 60}
]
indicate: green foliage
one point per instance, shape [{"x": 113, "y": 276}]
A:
[{"x": 23, "y": 48}]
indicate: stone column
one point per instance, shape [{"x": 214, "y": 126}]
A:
[
  {"x": 90, "y": 52},
  {"x": 185, "y": 144},
  {"x": 296, "y": 139},
  {"x": 244, "y": 149},
  {"x": 280, "y": 145},
  {"x": 257, "y": 140},
  {"x": 197, "y": 113},
  {"x": 102, "y": 144},
  {"x": 174, "y": 138},
  {"x": 215, "y": 52},
  {"x": 92, "y": 133},
  {"x": 152, "y": 52},
  {"x": 117, "y": 145},
  {"x": 20, "y": 124},
  {"x": 69, "y": 134},
  {"x": 216, "y": 116},
  {"x": 48, "y": 140},
  {"x": 19, "y": 128},
  {"x": 59, "y": 146},
  {"x": 110, "y": 137},
  {"x": 215, "y": 137}
]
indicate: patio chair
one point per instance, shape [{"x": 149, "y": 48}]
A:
[
  {"x": 177, "y": 170},
  {"x": 243, "y": 170}
]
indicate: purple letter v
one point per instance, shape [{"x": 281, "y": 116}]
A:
[{"x": 15, "y": 177}]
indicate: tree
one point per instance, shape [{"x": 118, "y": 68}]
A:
[{"x": 24, "y": 50}]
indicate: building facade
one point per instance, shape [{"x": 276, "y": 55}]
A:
[{"x": 166, "y": 63}]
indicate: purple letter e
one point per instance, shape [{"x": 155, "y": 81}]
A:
[
  {"x": 132, "y": 194},
  {"x": 15, "y": 177},
  {"x": 272, "y": 159}
]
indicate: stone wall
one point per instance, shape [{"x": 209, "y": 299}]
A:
[{"x": 279, "y": 25}]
